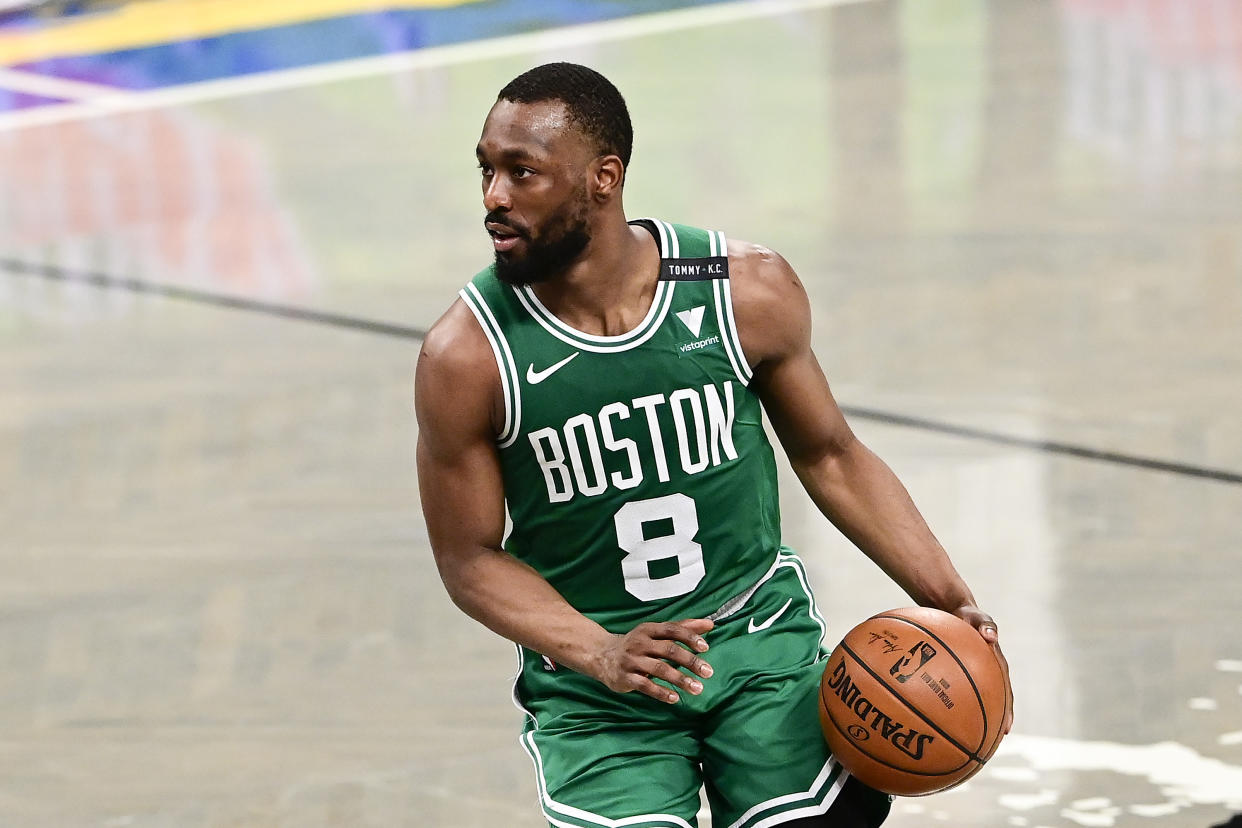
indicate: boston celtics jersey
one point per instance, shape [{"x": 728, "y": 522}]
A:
[{"x": 637, "y": 474}]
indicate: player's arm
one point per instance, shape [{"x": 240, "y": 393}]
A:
[
  {"x": 853, "y": 487},
  {"x": 457, "y": 388}
]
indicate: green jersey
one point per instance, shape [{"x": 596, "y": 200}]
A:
[{"x": 637, "y": 474}]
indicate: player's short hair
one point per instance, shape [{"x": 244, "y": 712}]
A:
[{"x": 594, "y": 105}]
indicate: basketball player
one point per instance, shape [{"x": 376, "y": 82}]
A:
[{"x": 604, "y": 380}]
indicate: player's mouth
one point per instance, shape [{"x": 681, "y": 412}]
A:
[{"x": 504, "y": 238}]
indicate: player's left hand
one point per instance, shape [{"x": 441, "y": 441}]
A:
[{"x": 986, "y": 626}]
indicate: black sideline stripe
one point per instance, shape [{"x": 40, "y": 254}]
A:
[
  {"x": 104, "y": 281},
  {"x": 1046, "y": 446}
]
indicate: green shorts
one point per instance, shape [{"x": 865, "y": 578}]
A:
[{"x": 751, "y": 739}]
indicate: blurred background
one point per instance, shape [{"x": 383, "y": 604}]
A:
[{"x": 225, "y": 225}]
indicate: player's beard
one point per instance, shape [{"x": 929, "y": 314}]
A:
[{"x": 560, "y": 241}]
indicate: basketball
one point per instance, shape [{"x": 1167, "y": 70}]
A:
[{"x": 912, "y": 701}]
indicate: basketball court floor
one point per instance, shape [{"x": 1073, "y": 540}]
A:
[{"x": 1020, "y": 225}]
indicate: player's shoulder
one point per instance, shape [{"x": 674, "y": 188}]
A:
[
  {"x": 769, "y": 301},
  {"x": 455, "y": 349},
  {"x": 758, "y": 275},
  {"x": 457, "y": 381},
  {"x": 456, "y": 335}
]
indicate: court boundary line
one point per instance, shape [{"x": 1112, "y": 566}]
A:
[
  {"x": 105, "y": 281},
  {"x": 563, "y": 37}
]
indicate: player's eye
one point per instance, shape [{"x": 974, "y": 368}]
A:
[
  {"x": 485, "y": 170},
  {"x": 522, "y": 172}
]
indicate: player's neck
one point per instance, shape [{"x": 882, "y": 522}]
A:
[{"x": 609, "y": 290}]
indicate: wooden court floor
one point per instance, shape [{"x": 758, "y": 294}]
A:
[{"x": 1020, "y": 224}]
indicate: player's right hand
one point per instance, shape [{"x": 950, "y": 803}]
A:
[{"x": 655, "y": 650}]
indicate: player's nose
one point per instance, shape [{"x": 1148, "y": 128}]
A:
[{"x": 496, "y": 195}]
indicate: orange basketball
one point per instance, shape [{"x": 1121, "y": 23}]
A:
[{"x": 912, "y": 701}]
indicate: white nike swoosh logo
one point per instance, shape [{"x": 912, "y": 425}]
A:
[
  {"x": 535, "y": 377},
  {"x": 752, "y": 627}
]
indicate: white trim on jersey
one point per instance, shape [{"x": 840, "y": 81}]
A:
[
  {"x": 663, "y": 299},
  {"x": 510, "y": 388},
  {"x": 799, "y": 569},
  {"x": 513, "y": 693},
  {"x": 733, "y": 334},
  {"x": 675, "y": 251},
  {"x": 813, "y": 792},
  {"x": 718, "y": 246},
  {"x": 722, "y": 319},
  {"x": 600, "y": 344},
  {"x": 550, "y": 805}
]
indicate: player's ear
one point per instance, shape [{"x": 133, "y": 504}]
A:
[{"x": 607, "y": 176}]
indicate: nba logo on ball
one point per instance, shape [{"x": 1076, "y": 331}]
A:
[
  {"x": 920, "y": 724},
  {"x": 902, "y": 670}
]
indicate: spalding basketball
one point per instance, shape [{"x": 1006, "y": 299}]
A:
[{"x": 912, "y": 701}]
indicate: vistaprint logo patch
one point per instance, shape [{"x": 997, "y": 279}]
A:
[
  {"x": 686, "y": 348},
  {"x": 692, "y": 319}
]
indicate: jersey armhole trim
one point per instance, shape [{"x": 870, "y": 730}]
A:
[
  {"x": 674, "y": 243},
  {"x": 724, "y": 313},
  {"x": 510, "y": 389}
]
